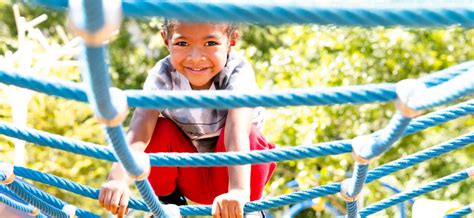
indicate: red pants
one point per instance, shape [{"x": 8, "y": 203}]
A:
[{"x": 201, "y": 184}]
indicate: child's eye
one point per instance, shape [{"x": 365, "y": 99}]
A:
[
  {"x": 181, "y": 43},
  {"x": 211, "y": 43}
]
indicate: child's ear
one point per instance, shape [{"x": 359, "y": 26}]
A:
[
  {"x": 165, "y": 38},
  {"x": 233, "y": 38}
]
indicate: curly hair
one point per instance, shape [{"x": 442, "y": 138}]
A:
[{"x": 169, "y": 24}]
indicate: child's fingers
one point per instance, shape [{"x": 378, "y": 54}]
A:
[
  {"x": 115, "y": 201},
  {"x": 224, "y": 208},
  {"x": 101, "y": 197},
  {"x": 123, "y": 205},
  {"x": 121, "y": 212},
  {"x": 239, "y": 211},
  {"x": 107, "y": 199},
  {"x": 216, "y": 212},
  {"x": 234, "y": 210}
]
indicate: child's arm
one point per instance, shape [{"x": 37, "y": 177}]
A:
[
  {"x": 236, "y": 138},
  {"x": 114, "y": 194}
]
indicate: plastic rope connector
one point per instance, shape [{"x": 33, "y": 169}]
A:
[
  {"x": 99, "y": 34},
  {"x": 144, "y": 161},
  {"x": 358, "y": 145},
  {"x": 470, "y": 172},
  {"x": 35, "y": 211},
  {"x": 344, "y": 190},
  {"x": 7, "y": 169},
  {"x": 70, "y": 210},
  {"x": 406, "y": 89},
  {"x": 171, "y": 210},
  {"x": 119, "y": 100}
]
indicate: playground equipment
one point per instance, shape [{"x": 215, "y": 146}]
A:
[{"x": 95, "y": 25}]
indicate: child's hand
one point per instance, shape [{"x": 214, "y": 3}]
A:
[
  {"x": 230, "y": 204},
  {"x": 114, "y": 196}
]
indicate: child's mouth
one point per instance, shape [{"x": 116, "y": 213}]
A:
[{"x": 197, "y": 70}]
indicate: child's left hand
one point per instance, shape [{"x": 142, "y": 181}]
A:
[{"x": 230, "y": 204}]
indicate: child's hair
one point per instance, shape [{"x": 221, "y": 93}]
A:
[{"x": 169, "y": 24}]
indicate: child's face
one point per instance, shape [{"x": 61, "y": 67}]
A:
[{"x": 199, "y": 51}]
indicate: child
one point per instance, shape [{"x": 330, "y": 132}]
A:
[{"x": 200, "y": 59}]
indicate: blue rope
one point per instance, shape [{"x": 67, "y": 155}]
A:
[
  {"x": 387, "y": 14},
  {"x": 4, "y": 189},
  {"x": 401, "y": 206},
  {"x": 228, "y": 99},
  {"x": 352, "y": 209},
  {"x": 57, "y": 142},
  {"x": 95, "y": 73},
  {"x": 385, "y": 138},
  {"x": 16, "y": 205},
  {"x": 94, "y": 18},
  {"x": 269, "y": 203},
  {"x": 445, "y": 92},
  {"x": 222, "y": 99},
  {"x": 395, "y": 199},
  {"x": 69, "y": 185},
  {"x": 13, "y": 197},
  {"x": 116, "y": 137},
  {"x": 150, "y": 198},
  {"x": 51, "y": 200},
  {"x": 460, "y": 212},
  {"x": 38, "y": 202},
  {"x": 434, "y": 79},
  {"x": 58, "y": 182},
  {"x": 280, "y": 154},
  {"x": 420, "y": 156},
  {"x": 99, "y": 96},
  {"x": 438, "y": 117},
  {"x": 50, "y": 86},
  {"x": 46, "y": 198},
  {"x": 358, "y": 179}
]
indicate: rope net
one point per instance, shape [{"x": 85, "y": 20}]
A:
[{"x": 410, "y": 96}]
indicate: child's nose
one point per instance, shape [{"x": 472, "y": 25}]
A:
[{"x": 196, "y": 54}]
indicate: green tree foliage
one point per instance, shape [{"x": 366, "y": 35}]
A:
[
  {"x": 283, "y": 57},
  {"x": 315, "y": 56}
]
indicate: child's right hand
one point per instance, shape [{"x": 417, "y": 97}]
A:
[{"x": 114, "y": 196}]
